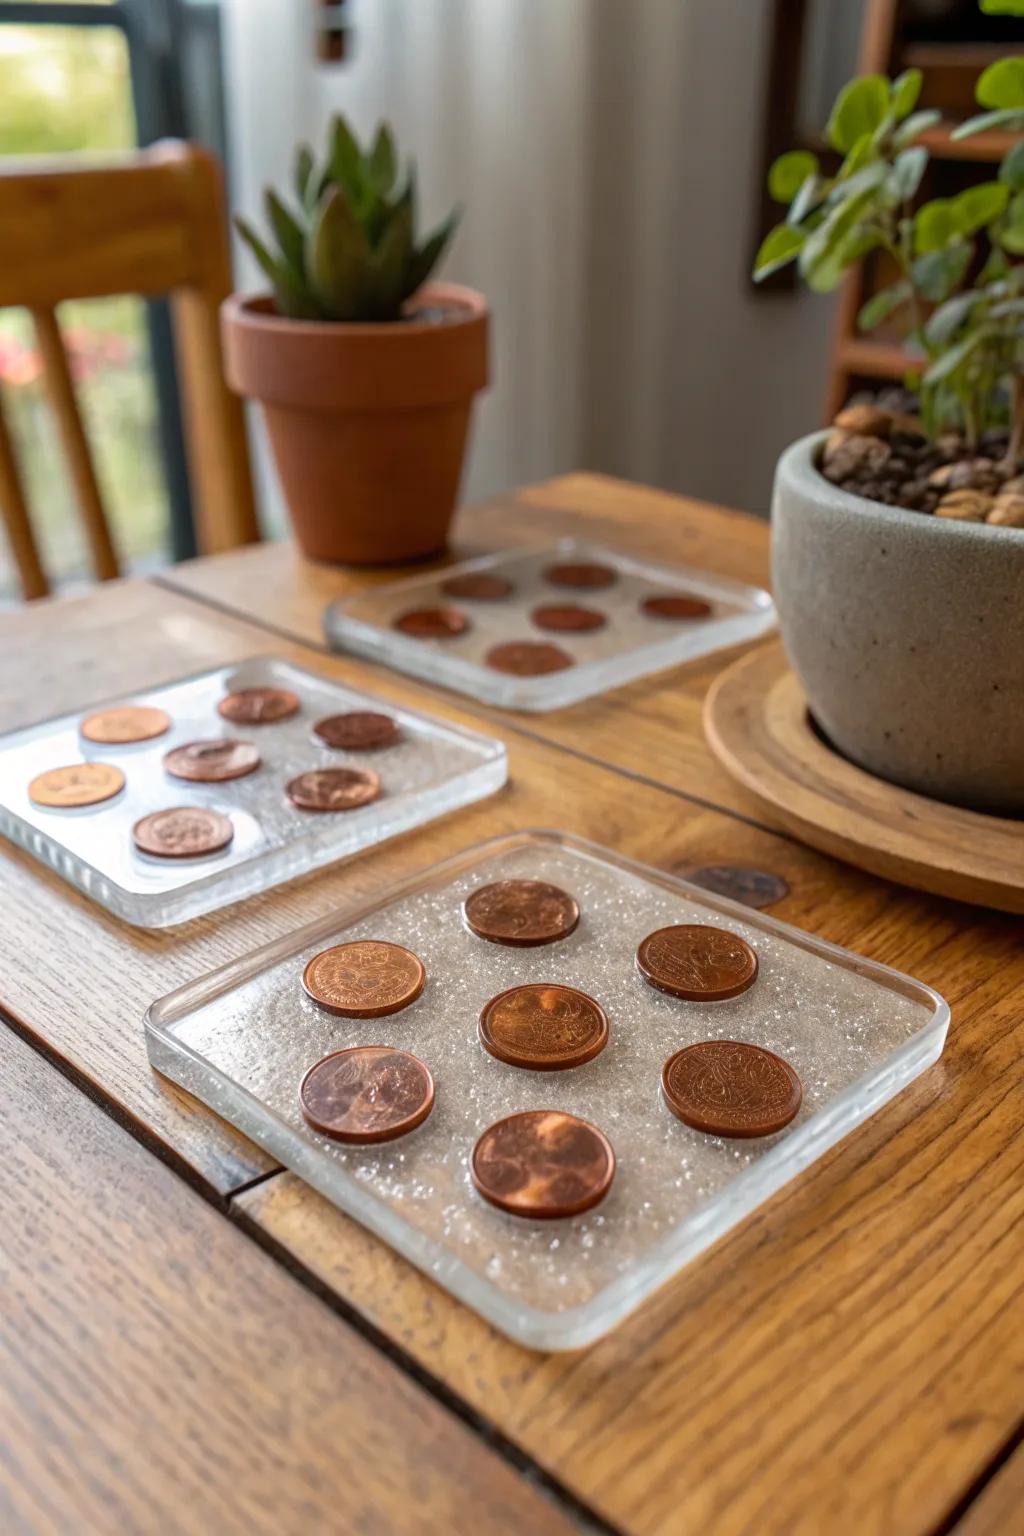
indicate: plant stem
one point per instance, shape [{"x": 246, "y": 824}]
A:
[{"x": 1016, "y": 423}]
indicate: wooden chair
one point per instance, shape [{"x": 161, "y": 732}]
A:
[{"x": 152, "y": 224}]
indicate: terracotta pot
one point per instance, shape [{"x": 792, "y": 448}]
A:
[{"x": 368, "y": 423}]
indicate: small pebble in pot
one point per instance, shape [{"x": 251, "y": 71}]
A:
[
  {"x": 1007, "y": 511},
  {"x": 864, "y": 421},
  {"x": 855, "y": 457},
  {"x": 968, "y": 506}
]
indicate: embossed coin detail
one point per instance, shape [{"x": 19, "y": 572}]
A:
[
  {"x": 77, "y": 784},
  {"x": 728, "y": 1088},
  {"x": 432, "y": 623},
  {"x": 677, "y": 605},
  {"x": 365, "y": 979},
  {"x": 587, "y": 575},
  {"x": 212, "y": 762},
  {"x": 697, "y": 963},
  {"x": 367, "y": 1093},
  {"x": 521, "y": 912},
  {"x": 478, "y": 587},
  {"x": 543, "y": 1027},
  {"x": 568, "y": 617},
  {"x": 754, "y": 887},
  {"x": 528, "y": 658},
  {"x": 543, "y": 1164},
  {"x": 125, "y": 724},
  {"x": 258, "y": 706},
  {"x": 183, "y": 832},
  {"x": 360, "y": 730},
  {"x": 333, "y": 789}
]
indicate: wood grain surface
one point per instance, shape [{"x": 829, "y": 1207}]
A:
[
  {"x": 999, "y": 1508},
  {"x": 161, "y": 1375}
]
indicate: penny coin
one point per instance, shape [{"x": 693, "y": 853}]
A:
[
  {"x": 365, "y": 979},
  {"x": 697, "y": 963},
  {"x": 333, "y": 789},
  {"x": 754, "y": 887},
  {"x": 569, "y": 617},
  {"x": 528, "y": 658},
  {"x": 543, "y": 1164},
  {"x": 432, "y": 623},
  {"x": 367, "y": 1093},
  {"x": 478, "y": 587},
  {"x": 77, "y": 784},
  {"x": 183, "y": 832},
  {"x": 728, "y": 1088},
  {"x": 585, "y": 574},
  {"x": 521, "y": 912},
  {"x": 212, "y": 762},
  {"x": 676, "y": 606},
  {"x": 129, "y": 722},
  {"x": 258, "y": 706},
  {"x": 543, "y": 1027},
  {"x": 360, "y": 730}
]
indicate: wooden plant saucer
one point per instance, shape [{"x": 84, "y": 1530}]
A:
[{"x": 757, "y": 724}]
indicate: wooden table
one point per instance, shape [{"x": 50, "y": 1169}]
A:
[{"x": 850, "y": 1359}]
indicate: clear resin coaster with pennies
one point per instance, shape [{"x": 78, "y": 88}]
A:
[
  {"x": 543, "y": 627},
  {"x": 822, "y": 1038},
  {"x": 193, "y": 795}
]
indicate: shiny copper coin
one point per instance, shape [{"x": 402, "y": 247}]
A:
[
  {"x": 528, "y": 658},
  {"x": 543, "y": 1027},
  {"x": 478, "y": 587},
  {"x": 77, "y": 784},
  {"x": 333, "y": 789},
  {"x": 365, "y": 979},
  {"x": 360, "y": 730},
  {"x": 543, "y": 1164},
  {"x": 728, "y": 1088},
  {"x": 367, "y": 1093},
  {"x": 697, "y": 963},
  {"x": 183, "y": 832},
  {"x": 124, "y": 724},
  {"x": 212, "y": 762},
  {"x": 521, "y": 912},
  {"x": 585, "y": 574},
  {"x": 432, "y": 623},
  {"x": 258, "y": 706},
  {"x": 754, "y": 887},
  {"x": 676, "y": 605},
  {"x": 568, "y": 617}
]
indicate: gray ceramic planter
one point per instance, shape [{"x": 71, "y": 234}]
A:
[{"x": 907, "y": 632}]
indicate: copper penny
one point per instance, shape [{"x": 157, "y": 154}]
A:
[
  {"x": 585, "y": 574},
  {"x": 432, "y": 623},
  {"x": 367, "y": 1093},
  {"x": 77, "y": 784},
  {"x": 728, "y": 1088},
  {"x": 360, "y": 730},
  {"x": 521, "y": 912},
  {"x": 333, "y": 789},
  {"x": 212, "y": 762},
  {"x": 754, "y": 887},
  {"x": 696, "y": 962},
  {"x": 478, "y": 587},
  {"x": 127, "y": 723},
  {"x": 676, "y": 605},
  {"x": 528, "y": 658},
  {"x": 258, "y": 706},
  {"x": 569, "y": 617},
  {"x": 543, "y": 1164},
  {"x": 544, "y": 1027},
  {"x": 365, "y": 979},
  {"x": 183, "y": 832}
]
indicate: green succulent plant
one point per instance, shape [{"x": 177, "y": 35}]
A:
[{"x": 348, "y": 250}]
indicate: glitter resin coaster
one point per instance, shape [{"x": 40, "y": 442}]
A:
[{"x": 855, "y": 1033}]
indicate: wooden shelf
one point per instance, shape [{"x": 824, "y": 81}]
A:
[
  {"x": 988, "y": 147},
  {"x": 859, "y": 355}
]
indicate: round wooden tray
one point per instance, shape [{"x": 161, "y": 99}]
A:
[{"x": 757, "y": 724}]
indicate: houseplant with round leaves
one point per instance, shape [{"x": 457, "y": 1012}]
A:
[{"x": 365, "y": 369}]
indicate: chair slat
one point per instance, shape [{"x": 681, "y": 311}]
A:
[{"x": 14, "y": 510}]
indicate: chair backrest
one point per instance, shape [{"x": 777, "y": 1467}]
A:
[{"x": 151, "y": 223}]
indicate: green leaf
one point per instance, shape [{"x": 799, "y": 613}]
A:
[
  {"x": 809, "y": 197},
  {"x": 290, "y": 294},
  {"x": 916, "y": 123},
  {"x": 1003, "y": 7},
  {"x": 860, "y": 108},
  {"x": 858, "y": 156},
  {"x": 1012, "y": 169},
  {"x": 337, "y": 256},
  {"x": 304, "y": 164},
  {"x": 1007, "y": 310},
  {"x": 1011, "y": 117},
  {"x": 905, "y": 176},
  {"x": 389, "y": 264},
  {"x": 881, "y": 305},
  {"x": 978, "y": 206},
  {"x": 1010, "y": 233},
  {"x": 937, "y": 273},
  {"x": 943, "y": 323},
  {"x": 344, "y": 160},
  {"x": 429, "y": 254},
  {"x": 836, "y": 243},
  {"x": 1002, "y": 84},
  {"x": 905, "y": 91},
  {"x": 934, "y": 226},
  {"x": 951, "y": 359},
  {"x": 288, "y": 232},
  {"x": 788, "y": 174},
  {"x": 778, "y": 248},
  {"x": 383, "y": 164}
]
